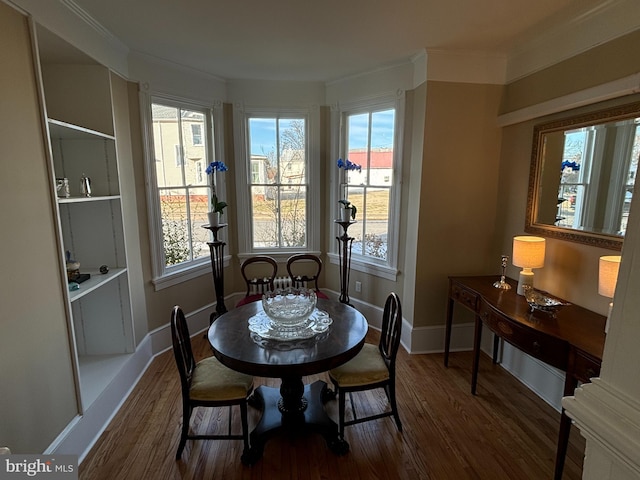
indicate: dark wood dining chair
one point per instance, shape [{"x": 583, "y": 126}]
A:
[
  {"x": 259, "y": 274},
  {"x": 304, "y": 270},
  {"x": 207, "y": 383},
  {"x": 373, "y": 367}
]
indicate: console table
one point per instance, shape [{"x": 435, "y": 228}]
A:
[{"x": 573, "y": 341}]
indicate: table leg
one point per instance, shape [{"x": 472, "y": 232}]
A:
[
  {"x": 570, "y": 384},
  {"x": 496, "y": 347},
  {"x": 476, "y": 355},
  {"x": 294, "y": 408},
  {"x": 447, "y": 331},
  {"x": 563, "y": 443}
]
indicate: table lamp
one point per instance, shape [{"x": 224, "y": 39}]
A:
[
  {"x": 528, "y": 253},
  {"x": 608, "y": 267}
]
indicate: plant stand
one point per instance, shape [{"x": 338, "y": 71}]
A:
[
  {"x": 217, "y": 267},
  {"x": 344, "y": 252}
]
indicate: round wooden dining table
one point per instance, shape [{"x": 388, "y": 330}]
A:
[{"x": 294, "y": 407}]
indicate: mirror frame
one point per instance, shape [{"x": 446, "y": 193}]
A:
[{"x": 612, "y": 242}]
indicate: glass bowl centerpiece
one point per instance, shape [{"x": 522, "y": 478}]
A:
[{"x": 289, "y": 307}]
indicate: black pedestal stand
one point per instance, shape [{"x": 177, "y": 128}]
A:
[
  {"x": 217, "y": 266},
  {"x": 344, "y": 252}
]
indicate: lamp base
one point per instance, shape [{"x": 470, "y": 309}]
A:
[
  {"x": 525, "y": 278},
  {"x": 606, "y": 325}
]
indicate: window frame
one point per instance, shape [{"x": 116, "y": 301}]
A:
[
  {"x": 311, "y": 115},
  {"x": 166, "y": 276},
  {"x": 388, "y": 268}
]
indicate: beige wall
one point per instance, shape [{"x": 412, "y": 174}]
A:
[
  {"x": 37, "y": 398},
  {"x": 571, "y": 269},
  {"x": 459, "y": 191},
  {"x": 603, "y": 63}
]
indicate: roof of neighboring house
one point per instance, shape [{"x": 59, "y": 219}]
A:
[{"x": 378, "y": 159}]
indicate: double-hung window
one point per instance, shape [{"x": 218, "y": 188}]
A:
[
  {"x": 369, "y": 140},
  {"x": 276, "y": 186},
  {"x": 179, "y": 148}
]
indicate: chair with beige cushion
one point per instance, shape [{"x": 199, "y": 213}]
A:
[
  {"x": 373, "y": 367},
  {"x": 259, "y": 274},
  {"x": 207, "y": 383}
]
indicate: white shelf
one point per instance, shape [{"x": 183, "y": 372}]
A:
[
  {"x": 59, "y": 129},
  {"x": 96, "y": 372},
  {"x": 100, "y": 198},
  {"x": 96, "y": 281}
]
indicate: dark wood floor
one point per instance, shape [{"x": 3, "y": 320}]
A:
[{"x": 505, "y": 432}]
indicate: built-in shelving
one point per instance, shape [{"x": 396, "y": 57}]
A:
[{"x": 82, "y": 144}]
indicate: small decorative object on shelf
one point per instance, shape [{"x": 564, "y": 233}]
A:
[
  {"x": 73, "y": 267},
  {"x": 104, "y": 269},
  {"x": 62, "y": 187},
  {"x": 502, "y": 284},
  {"x": 85, "y": 185},
  {"x": 217, "y": 206},
  {"x": 216, "y": 249}
]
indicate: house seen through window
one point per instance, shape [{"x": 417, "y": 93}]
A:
[
  {"x": 183, "y": 192},
  {"x": 370, "y": 144},
  {"x": 279, "y": 185}
]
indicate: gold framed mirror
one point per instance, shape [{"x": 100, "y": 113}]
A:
[{"x": 582, "y": 176}]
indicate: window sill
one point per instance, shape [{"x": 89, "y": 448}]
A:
[
  {"x": 186, "y": 273},
  {"x": 279, "y": 256},
  {"x": 357, "y": 264}
]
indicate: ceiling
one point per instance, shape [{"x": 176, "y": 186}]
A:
[{"x": 303, "y": 40}]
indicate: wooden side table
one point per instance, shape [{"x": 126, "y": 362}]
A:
[
  {"x": 572, "y": 341},
  {"x": 216, "y": 249},
  {"x": 344, "y": 252}
]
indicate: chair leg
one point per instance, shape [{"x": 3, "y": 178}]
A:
[
  {"x": 184, "y": 432},
  {"x": 245, "y": 426},
  {"x": 391, "y": 394}
]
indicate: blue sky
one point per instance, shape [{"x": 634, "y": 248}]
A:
[{"x": 263, "y": 133}]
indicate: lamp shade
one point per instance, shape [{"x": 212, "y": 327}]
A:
[
  {"x": 608, "y": 275},
  {"x": 528, "y": 251}
]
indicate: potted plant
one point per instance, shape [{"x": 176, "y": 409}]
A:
[
  {"x": 217, "y": 206},
  {"x": 348, "y": 211}
]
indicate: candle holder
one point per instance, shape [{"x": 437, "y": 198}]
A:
[{"x": 502, "y": 284}]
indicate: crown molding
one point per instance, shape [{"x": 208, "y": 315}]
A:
[{"x": 607, "y": 21}]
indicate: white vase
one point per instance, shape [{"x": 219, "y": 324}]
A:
[
  {"x": 345, "y": 214},
  {"x": 214, "y": 218}
]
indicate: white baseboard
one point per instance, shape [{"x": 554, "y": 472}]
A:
[{"x": 84, "y": 430}]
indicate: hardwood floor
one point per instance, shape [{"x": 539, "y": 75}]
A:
[{"x": 505, "y": 432}]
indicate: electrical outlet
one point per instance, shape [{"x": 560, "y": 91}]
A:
[{"x": 358, "y": 287}]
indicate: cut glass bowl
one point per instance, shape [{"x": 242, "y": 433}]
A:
[{"x": 290, "y": 307}]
